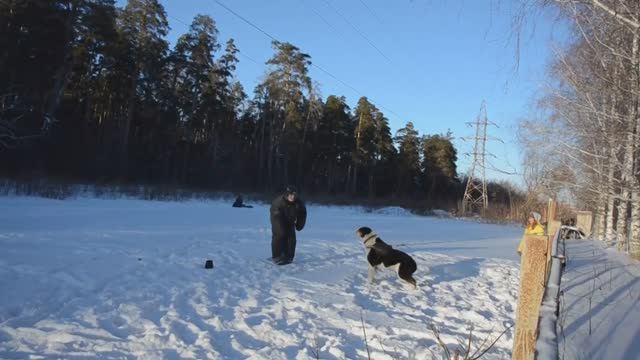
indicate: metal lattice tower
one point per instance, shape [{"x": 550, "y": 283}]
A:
[{"x": 475, "y": 194}]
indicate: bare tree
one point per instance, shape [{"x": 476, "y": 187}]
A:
[{"x": 591, "y": 106}]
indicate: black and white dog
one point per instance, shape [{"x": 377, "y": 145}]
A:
[{"x": 381, "y": 253}]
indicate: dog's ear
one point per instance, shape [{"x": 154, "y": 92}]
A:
[{"x": 364, "y": 231}]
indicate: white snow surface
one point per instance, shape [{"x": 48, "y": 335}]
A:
[
  {"x": 87, "y": 278},
  {"x": 392, "y": 211},
  {"x": 599, "y": 315}
]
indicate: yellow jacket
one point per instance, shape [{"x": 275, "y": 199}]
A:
[{"x": 536, "y": 230}]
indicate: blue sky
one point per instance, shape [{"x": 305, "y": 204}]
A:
[{"x": 439, "y": 58}]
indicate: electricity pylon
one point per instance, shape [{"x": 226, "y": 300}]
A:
[{"x": 475, "y": 194}]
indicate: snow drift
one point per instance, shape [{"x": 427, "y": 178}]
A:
[{"x": 126, "y": 278}]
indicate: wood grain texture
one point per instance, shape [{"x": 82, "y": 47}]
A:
[{"x": 533, "y": 268}]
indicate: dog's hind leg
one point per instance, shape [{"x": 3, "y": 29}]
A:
[
  {"x": 412, "y": 281},
  {"x": 405, "y": 272},
  {"x": 409, "y": 279},
  {"x": 372, "y": 274}
]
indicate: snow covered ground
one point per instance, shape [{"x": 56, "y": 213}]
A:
[
  {"x": 89, "y": 278},
  {"x": 600, "y": 306}
]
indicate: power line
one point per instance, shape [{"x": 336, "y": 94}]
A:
[
  {"x": 356, "y": 29},
  {"x": 371, "y": 11},
  {"x": 504, "y": 172},
  {"x": 355, "y": 90},
  {"x": 245, "y": 20},
  {"x": 312, "y": 64},
  {"x": 239, "y": 51},
  {"x": 178, "y": 20},
  {"x": 249, "y": 58},
  {"x": 324, "y": 20}
]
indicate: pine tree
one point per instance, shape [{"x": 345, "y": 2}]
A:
[
  {"x": 408, "y": 177},
  {"x": 333, "y": 145},
  {"x": 38, "y": 42},
  {"x": 382, "y": 178},
  {"x": 286, "y": 85},
  {"x": 366, "y": 148},
  {"x": 143, "y": 27},
  {"x": 439, "y": 164},
  {"x": 127, "y": 107},
  {"x": 83, "y": 112}
]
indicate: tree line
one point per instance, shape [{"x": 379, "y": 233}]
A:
[
  {"x": 587, "y": 143},
  {"x": 95, "y": 92}
]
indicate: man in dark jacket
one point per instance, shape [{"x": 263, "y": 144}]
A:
[{"x": 288, "y": 214}]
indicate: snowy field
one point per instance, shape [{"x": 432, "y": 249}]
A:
[{"x": 90, "y": 278}]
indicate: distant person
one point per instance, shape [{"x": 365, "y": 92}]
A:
[
  {"x": 239, "y": 203},
  {"x": 288, "y": 214},
  {"x": 533, "y": 228}
]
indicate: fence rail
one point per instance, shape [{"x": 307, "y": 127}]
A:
[
  {"x": 540, "y": 272},
  {"x": 547, "y": 344}
]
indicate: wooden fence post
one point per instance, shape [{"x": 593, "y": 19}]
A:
[
  {"x": 552, "y": 210},
  {"x": 533, "y": 276},
  {"x": 553, "y": 226}
]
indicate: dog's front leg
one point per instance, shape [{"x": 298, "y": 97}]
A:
[{"x": 372, "y": 274}]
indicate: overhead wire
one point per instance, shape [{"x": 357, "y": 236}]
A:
[
  {"x": 371, "y": 11},
  {"x": 324, "y": 20},
  {"x": 267, "y": 34},
  {"x": 356, "y": 30},
  {"x": 239, "y": 51},
  {"x": 245, "y": 20}
]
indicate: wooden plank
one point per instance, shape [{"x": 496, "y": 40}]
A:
[
  {"x": 552, "y": 210},
  {"x": 533, "y": 269},
  {"x": 553, "y": 226}
]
